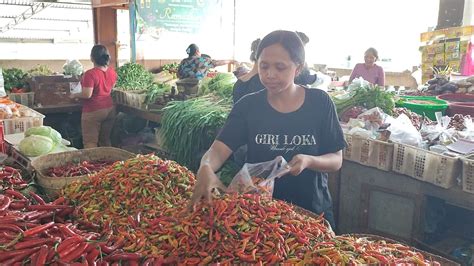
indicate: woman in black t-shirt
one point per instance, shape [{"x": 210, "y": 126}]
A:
[{"x": 286, "y": 120}]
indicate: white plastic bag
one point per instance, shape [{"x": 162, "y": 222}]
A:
[
  {"x": 440, "y": 130},
  {"x": 403, "y": 131},
  {"x": 259, "y": 177}
]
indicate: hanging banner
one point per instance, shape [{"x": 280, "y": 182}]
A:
[{"x": 175, "y": 15}]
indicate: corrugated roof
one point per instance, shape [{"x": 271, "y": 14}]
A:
[{"x": 59, "y": 21}]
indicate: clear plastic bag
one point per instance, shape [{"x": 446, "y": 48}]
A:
[{"x": 259, "y": 177}]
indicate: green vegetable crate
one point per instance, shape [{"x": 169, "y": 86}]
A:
[
  {"x": 53, "y": 185},
  {"x": 423, "y": 105},
  {"x": 26, "y": 98}
]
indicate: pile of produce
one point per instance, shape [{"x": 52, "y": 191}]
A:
[
  {"x": 133, "y": 76},
  {"x": 458, "y": 121},
  {"x": 157, "y": 91},
  {"x": 14, "y": 78},
  {"x": 189, "y": 127},
  {"x": 416, "y": 119},
  {"x": 352, "y": 250},
  {"x": 77, "y": 169},
  {"x": 237, "y": 229},
  {"x": 171, "y": 67},
  {"x": 221, "y": 85},
  {"x": 10, "y": 178},
  {"x": 73, "y": 68},
  {"x": 112, "y": 196},
  {"x": 368, "y": 96},
  {"x": 39, "y": 70},
  {"x": 40, "y": 141}
]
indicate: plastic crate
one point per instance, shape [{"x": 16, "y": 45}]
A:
[
  {"x": 424, "y": 165},
  {"x": 26, "y": 99},
  {"x": 369, "y": 152},
  {"x": 468, "y": 173},
  {"x": 21, "y": 124}
]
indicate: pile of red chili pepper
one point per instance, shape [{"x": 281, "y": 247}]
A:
[
  {"x": 78, "y": 169},
  {"x": 236, "y": 229},
  {"x": 351, "y": 250},
  {"x": 10, "y": 178},
  {"x": 140, "y": 186}
]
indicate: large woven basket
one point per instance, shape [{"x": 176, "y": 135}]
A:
[
  {"x": 426, "y": 255},
  {"x": 53, "y": 185}
]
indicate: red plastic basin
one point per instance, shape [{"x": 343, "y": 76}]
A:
[{"x": 459, "y": 103}]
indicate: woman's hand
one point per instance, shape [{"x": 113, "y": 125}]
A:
[
  {"x": 207, "y": 180},
  {"x": 298, "y": 163}
]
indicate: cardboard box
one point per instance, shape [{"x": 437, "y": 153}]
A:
[
  {"x": 452, "y": 56},
  {"x": 451, "y": 47},
  {"x": 439, "y": 59},
  {"x": 429, "y": 58}
]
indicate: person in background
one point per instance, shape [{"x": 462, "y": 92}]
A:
[
  {"x": 368, "y": 70},
  {"x": 284, "y": 119},
  {"x": 197, "y": 66},
  {"x": 98, "y": 110},
  {"x": 250, "y": 82},
  {"x": 305, "y": 77}
]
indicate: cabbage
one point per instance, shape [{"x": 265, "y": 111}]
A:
[
  {"x": 46, "y": 132},
  {"x": 35, "y": 145},
  {"x": 73, "y": 68}
]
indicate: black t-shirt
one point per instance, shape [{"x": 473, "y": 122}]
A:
[
  {"x": 313, "y": 129},
  {"x": 242, "y": 88},
  {"x": 305, "y": 77}
]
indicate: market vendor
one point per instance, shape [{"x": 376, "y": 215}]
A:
[
  {"x": 285, "y": 119},
  {"x": 250, "y": 82},
  {"x": 196, "y": 66},
  {"x": 98, "y": 110},
  {"x": 368, "y": 70}
]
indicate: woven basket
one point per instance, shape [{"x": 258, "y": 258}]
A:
[
  {"x": 425, "y": 165},
  {"x": 53, "y": 185},
  {"x": 426, "y": 255},
  {"x": 369, "y": 152}
]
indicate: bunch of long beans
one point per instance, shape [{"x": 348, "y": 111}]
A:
[{"x": 189, "y": 127}]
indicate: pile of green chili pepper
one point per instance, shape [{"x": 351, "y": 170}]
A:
[{"x": 351, "y": 250}]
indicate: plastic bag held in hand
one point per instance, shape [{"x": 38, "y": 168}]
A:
[{"x": 259, "y": 177}]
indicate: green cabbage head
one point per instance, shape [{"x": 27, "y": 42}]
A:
[
  {"x": 35, "y": 145},
  {"x": 46, "y": 132}
]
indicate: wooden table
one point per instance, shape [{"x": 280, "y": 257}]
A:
[
  {"x": 71, "y": 108},
  {"x": 147, "y": 115}
]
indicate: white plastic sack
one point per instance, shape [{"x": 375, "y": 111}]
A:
[{"x": 403, "y": 131}]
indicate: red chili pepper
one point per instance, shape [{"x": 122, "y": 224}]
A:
[
  {"x": 69, "y": 241},
  {"x": 109, "y": 249},
  {"x": 15, "y": 194},
  {"x": 5, "y": 255},
  {"x": 38, "y": 229},
  {"x": 75, "y": 254},
  {"x": 123, "y": 256},
  {"x": 33, "y": 243},
  {"x": 10, "y": 227},
  {"x": 5, "y": 202},
  {"x": 42, "y": 255},
  {"x": 92, "y": 256},
  {"x": 46, "y": 207},
  {"x": 36, "y": 197}
]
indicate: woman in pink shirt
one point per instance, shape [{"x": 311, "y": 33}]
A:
[{"x": 369, "y": 71}]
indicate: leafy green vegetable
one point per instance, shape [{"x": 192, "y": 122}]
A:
[
  {"x": 73, "y": 67},
  {"x": 189, "y": 127},
  {"x": 221, "y": 85},
  {"x": 14, "y": 78},
  {"x": 35, "y": 145},
  {"x": 39, "y": 70},
  {"x": 133, "y": 76},
  {"x": 155, "y": 91},
  {"x": 171, "y": 67},
  {"x": 45, "y": 131},
  {"x": 369, "y": 97}
]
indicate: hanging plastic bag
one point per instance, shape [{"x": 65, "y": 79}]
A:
[
  {"x": 440, "y": 131},
  {"x": 259, "y": 177}
]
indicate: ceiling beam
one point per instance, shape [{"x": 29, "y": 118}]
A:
[
  {"x": 53, "y": 4},
  {"x": 53, "y": 19},
  {"x": 35, "y": 8}
]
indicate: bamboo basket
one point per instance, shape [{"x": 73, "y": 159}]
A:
[
  {"x": 426, "y": 255},
  {"x": 53, "y": 185}
]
